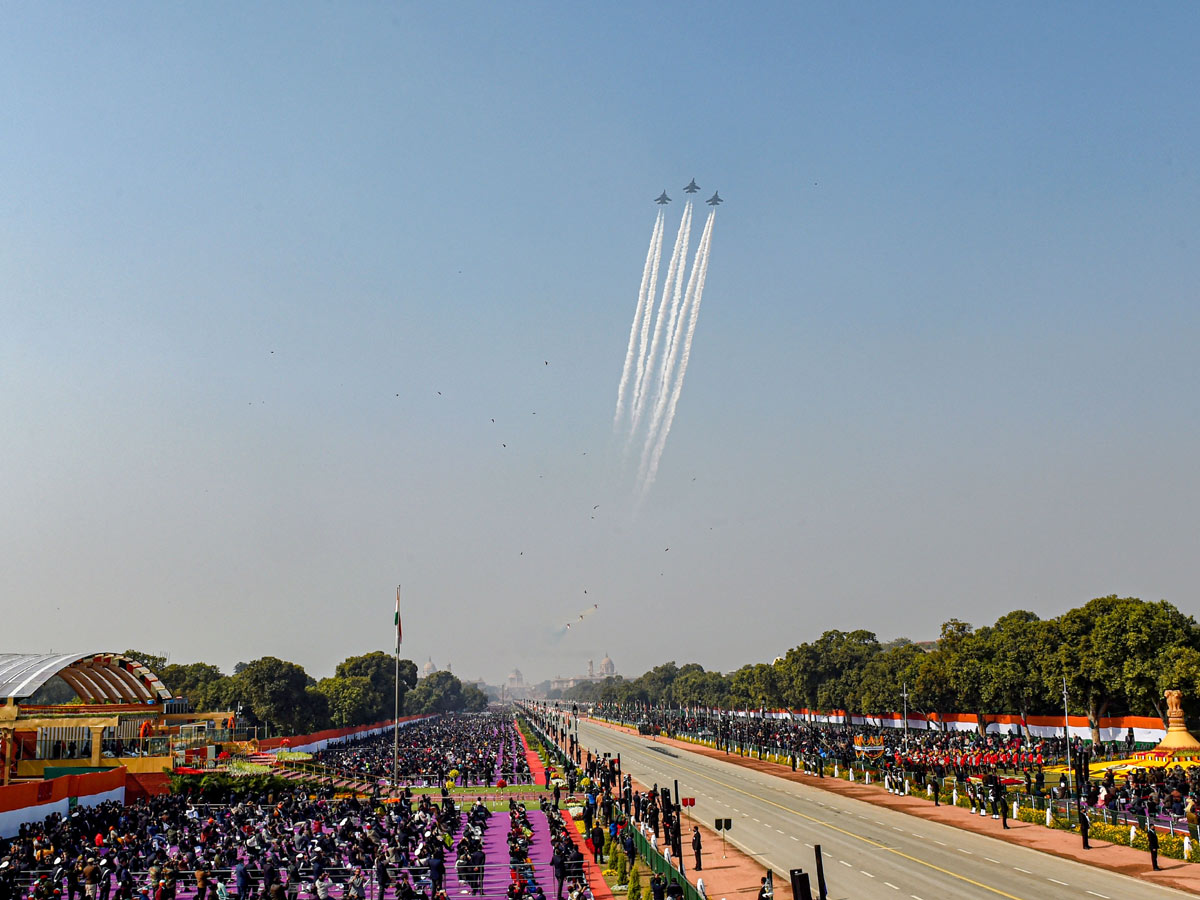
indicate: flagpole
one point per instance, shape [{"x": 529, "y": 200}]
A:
[{"x": 396, "y": 715}]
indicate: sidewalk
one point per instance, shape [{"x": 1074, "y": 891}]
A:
[
  {"x": 727, "y": 873},
  {"x": 1125, "y": 860}
]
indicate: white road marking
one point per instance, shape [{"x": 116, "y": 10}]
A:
[
  {"x": 989, "y": 859},
  {"x": 892, "y": 886},
  {"x": 1056, "y": 881},
  {"x": 1019, "y": 869},
  {"x": 806, "y": 844},
  {"x": 961, "y": 850},
  {"x": 868, "y": 874},
  {"x": 779, "y": 830},
  {"x": 914, "y": 834},
  {"x": 936, "y": 841},
  {"x": 1094, "y": 894},
  {"x": 846, "y": 864}
]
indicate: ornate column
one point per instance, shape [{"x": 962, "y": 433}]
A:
[
  {"x": 1179, "y": 740},
  {"x": 97, "y": 737}
]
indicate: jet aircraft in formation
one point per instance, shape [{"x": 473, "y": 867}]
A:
[{"x": 691, "y": 188}]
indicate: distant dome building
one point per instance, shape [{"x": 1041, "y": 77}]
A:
[
  {"x": 429, "y": 668},
  {"x": 515, "y": 687},
  {"x": 607, "y": 666}
]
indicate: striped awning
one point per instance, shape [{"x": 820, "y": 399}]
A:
[{"x": 95, "y": 677}]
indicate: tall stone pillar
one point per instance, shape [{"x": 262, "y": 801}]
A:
[
  {"x": 97, "y": 737},
  {"x": 7, "y": 735}
]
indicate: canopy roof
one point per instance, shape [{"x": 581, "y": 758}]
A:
[{"x": 95, "y": 677}]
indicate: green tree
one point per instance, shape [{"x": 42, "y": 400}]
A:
[
  {"x": 1179, "y": 669},
  {"x": 659, "y": 682},
  {"x": 969, "y": 662},
  {"x": 440, "y": 692},
  {"x": 841, "y": 656},
  {"x": 800, "y": 677},
  {"x": 277, "y": 692},
  {"x": 1020, "y": 645},
  {"x": 201, "y": 683},
  {"x": 352, "y": 699},
  {"x": 473, "y": 699},
  {"x": 696, "y": 687},
  {"x": 881, "y": 684},
  {"x": 635, "y": 884},
  {"x": 151, "y": 661},
  {"x": 1107, "y": 652},
  {"x": 931, "y": 691},
  {"x": 756, "y": 685},
  {"x": 380, "y": 669}
]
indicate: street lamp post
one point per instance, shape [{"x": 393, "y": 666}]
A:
[{"x": 904, "y": 694}]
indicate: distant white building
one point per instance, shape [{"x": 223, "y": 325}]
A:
[{"x": 607, "y": 669}]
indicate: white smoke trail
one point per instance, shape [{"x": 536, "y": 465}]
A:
[
  {"x": 670, "y": 352},
  {"x": 694, "y": 315},
  {"x": 652, "y": 297},
  {"x": 639, "y": 314},
  {"x": 674, "y": 268}
]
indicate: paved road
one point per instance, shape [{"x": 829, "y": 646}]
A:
[{"x": 870, "y": 852}]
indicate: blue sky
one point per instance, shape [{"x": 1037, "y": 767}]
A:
[{"x": 944, "y": 365}]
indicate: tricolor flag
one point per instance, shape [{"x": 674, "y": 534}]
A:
[{"x": 399, "y": 629}]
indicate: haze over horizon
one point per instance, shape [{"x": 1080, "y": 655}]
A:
[{"x": 269, "y": 273}]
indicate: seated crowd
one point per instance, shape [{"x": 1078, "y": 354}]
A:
[
  {"x": 482, "y": 748},
  {"x": 289, "y": 845}
]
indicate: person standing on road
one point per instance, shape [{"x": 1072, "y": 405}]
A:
[
  {"x": 696, "y": 846},
  {"x": 1084, "y": 826},
  {"x": 1152, "y": 845},
  {"x": 1002, "y": 805}
]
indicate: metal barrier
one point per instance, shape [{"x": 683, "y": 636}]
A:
[
  {"x": 658, "y": 863},
  {"x": 318, "y": 770}
]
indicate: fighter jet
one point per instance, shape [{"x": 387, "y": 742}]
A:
[
  {"x": 692, "y": 187},
  {"x": 714, "y": 199},
  {"x": 663, "y": 199}
]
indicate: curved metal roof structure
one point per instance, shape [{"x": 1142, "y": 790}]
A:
[{"x": 95, "y": 677}]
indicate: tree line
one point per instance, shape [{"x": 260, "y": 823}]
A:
[
  {"x": 1116, "y": 656},
  {"x": 279, "y": 694}
]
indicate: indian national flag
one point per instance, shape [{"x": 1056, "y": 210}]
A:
[{"x": 399, "y": 629}]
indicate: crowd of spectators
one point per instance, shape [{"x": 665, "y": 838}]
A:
[
  {"x": 958, "y": 757},
  {"x": 482, "y": 748},
  {"x": 285, "y": 845}
]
